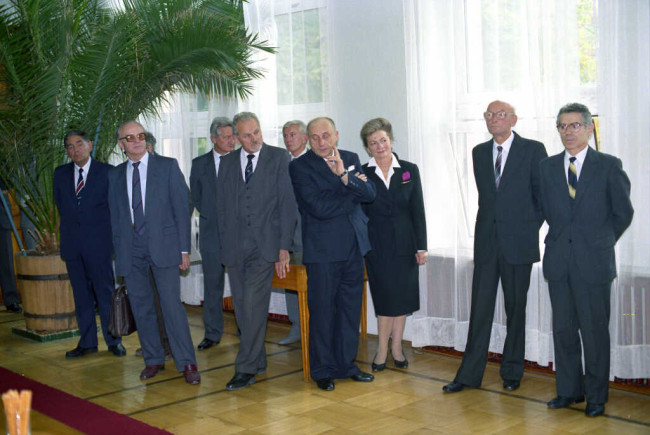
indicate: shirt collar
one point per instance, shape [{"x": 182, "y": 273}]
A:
[
  {"x": 144, "y": 161},
  {"x": 84, "y": 167},
  {"x": 394, "y": 163},
  {"x": 506, "y": 143},
  {"x": 580, "y": 157}
]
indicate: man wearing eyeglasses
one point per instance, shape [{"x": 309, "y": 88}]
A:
[
  {"x": 150, "y": 219},
  {"x": 586, "y": 199},
  {"x": 506, "y": 244}
]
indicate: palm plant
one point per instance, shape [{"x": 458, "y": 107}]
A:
[{"x": 82, "y": 64}]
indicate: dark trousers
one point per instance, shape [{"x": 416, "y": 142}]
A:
[
  {"x": 213, "y": 283},
  {"x": 250, "y": 283},
  {"x": 141, "y": 296},
  {"x": 515, "y": 280},
  {"x": 92, "y": 279},
  {"x": 581, "y": 309},
  {"x": 334, "y": 298}
]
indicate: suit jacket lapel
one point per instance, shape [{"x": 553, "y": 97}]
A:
[
  {"x": 589, "y": 169},
  {"x": 318, "y": 165},
  {"x": 515, "y": 157},
  {"x": 560, "y": 185}
]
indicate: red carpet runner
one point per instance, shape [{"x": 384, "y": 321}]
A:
[{"x": 77, "y": 413}]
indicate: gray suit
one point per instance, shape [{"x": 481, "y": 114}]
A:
[
  {"x": 579, "y": 265},
  {"x": 256, "y": 220},
  {"x": 203, "y": 187},
  {"x": 167, "y": 235}
]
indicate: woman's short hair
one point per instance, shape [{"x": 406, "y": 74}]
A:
[{"x": 373, "y": 126}]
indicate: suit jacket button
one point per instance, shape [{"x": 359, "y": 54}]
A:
[{"x": 570, "y": 240}]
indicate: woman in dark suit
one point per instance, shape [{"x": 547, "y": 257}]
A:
[{"x": 398, "y": 236}]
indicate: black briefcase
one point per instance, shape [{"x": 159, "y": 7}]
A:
[{"x": 122, "y": 322}]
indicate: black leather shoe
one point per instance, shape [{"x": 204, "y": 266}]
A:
[
  {"x": 362, "y": 377},
  {"x": 239, "y": 381},
  {"x": 510, "y": 385},
  {"x": 563, "y": 402},
  {"x": 80, "y": 351},
  {"x": 117, "y": 349},
  {"x": 377, "y": 367},
  {"x": 401, "y": 364},
  {"x": 594, "y": 409},
  {"x": 326, "y": 384},
  {"x": 453, "y": 387},
  {"x": 207, "y": 344},
  {"x": 14, "y": 308}
]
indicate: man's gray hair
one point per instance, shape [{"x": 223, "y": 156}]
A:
[
  {"x": 218, "y": 123},
  {"x": 302, "y": 128},
  {"x": 245, "y": 116},
  {"x": 576, "y": 108},
  {"x": 119, "y": 127}
]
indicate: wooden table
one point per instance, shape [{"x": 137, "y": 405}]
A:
[{"x": 296, "y": 280}]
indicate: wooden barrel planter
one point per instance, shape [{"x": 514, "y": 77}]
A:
[{"x": 46, "y": 293}]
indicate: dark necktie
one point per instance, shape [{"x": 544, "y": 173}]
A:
[
  {"x": 497, "y": 167},
  {"x": 136, "y": 201},
  {"x": 572, "y": 176},
  {"x": 248, "y": 172},
  {"x": 80, "y": 185}
]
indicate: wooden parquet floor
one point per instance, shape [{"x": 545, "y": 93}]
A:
[{"x": 398, "y": 401}]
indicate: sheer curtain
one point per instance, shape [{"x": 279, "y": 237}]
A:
[
  {"x": 525, "y": 53},
  {"x": 624, "y": 109}
]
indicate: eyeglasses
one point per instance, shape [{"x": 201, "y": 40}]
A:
[
  {"x": 498, "y": 115},
  {"x": 573, "y": 127},
  {"x": 133, "y": 137}
]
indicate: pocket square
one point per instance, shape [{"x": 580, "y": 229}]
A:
[{"x": 351, "y": 168}]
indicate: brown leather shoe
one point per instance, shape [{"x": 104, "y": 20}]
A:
[
  {"x": 151, "y": 371},
  {"x": 192, "y": 375}
]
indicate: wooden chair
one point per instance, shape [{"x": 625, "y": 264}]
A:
[{"x": 296, "y": 280}]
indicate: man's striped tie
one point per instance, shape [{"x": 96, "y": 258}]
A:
[
  {"x": 497, "y": 166},
  {"x": 80, "y": 185},
  {"x": 572, "y": 176}
]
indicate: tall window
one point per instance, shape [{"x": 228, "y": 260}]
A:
[{"x": 302, "y": 85}]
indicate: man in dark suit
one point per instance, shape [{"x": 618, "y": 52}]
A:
[
  {"x": 150, "y": 218},
  {"x": 7, "y": 274},
  {"x": 256, "y": 214},
  {"x": 81, "y": 195},
  {"x": 295, "y": 138},
  {"x": 586, "y": 198},
  {"x": 203, "y": 188},
  {"x": 330, "y": 188},
  {"x": 506, "y": 244}
]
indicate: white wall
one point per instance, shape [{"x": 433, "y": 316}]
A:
[{"x": 367, "y": 69}]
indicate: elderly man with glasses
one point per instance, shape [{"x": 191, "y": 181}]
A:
[
  {"x": 586, "y": 198},
  {"x": 150, "y": 219},
  {"x": 506, "y": 244}
]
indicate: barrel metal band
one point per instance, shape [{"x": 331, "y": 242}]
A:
[
  {"x": 60, "y": 277},
  {"x": 49, "y": 316}
]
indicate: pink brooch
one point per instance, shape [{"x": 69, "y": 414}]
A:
[{"x": 406, "y": 176}]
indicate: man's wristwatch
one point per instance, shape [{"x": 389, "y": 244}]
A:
[{"x": 343, "y": 174}]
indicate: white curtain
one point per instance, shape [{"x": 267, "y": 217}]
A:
[
  {"x": 459, "y": 57},
  {"x": 624, "y": 109}
]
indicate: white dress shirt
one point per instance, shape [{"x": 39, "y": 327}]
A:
[
  {"x": 243, "y": 160},
  {"x": 84, "y": 174},
  {"x": 580, "y": 160},
  {"x": 504, "y": 152},
  {"x": 394, "y": 164},
  {"x": 142, "y": 169},
  {"x": 217, "y": 159}
]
